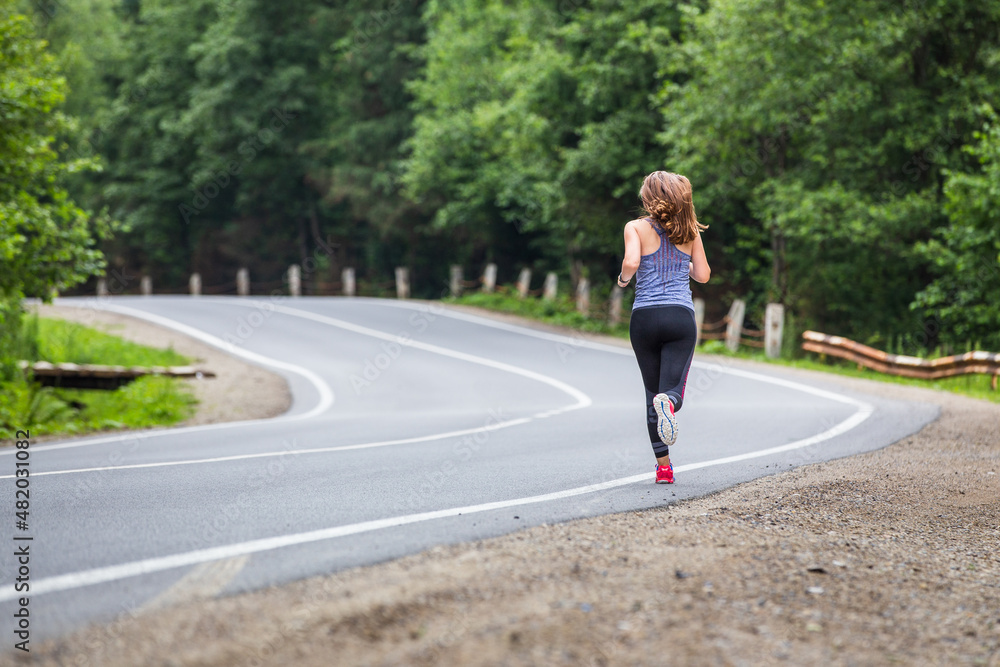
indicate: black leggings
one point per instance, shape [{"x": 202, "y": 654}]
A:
[{"x": 663, "y": 339}]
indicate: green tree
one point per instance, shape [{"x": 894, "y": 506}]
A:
[
  {"x": 536, "y": 123},
  {"x": 356, "y": 152},
  {"x": 814, "y": 134},
  {"x": 47, "y": 242},
  {"x": 961, "y": 302},
  {"x": 146, "y": 145}
]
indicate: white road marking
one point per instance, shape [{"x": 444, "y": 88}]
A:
[
  {"x": 203, "y": 582},
  {"x": 326, "y": 396},
  {"x": 625, "y": 351},
  {"x": 100, "y": 575},
  {"x": 864, "y": 408},
  {"x": 244, "y": 549},
  {"x": 582, "y": 400},
  {"x": 290, "y": 452}
]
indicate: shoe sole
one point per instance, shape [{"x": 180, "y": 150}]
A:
[
  {"x": 663, "y": 481},
  {"x": 666, "y": 424}
]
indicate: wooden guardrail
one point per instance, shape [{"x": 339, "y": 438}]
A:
[
  {"x": 94, "y": 376},
  {"x": 897, "y": 364}
]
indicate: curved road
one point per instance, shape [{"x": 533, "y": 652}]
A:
[{"x": 412, "y": 425}]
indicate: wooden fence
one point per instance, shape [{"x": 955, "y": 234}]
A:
[
  {"x": 95, "y": 376},
  {"x": 730, "y": 328},
  {"x": 897, "y": 364}
]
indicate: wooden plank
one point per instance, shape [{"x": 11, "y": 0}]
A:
[
  {"x": 551, "y": 286},
  {"x": 735, "y": 324},
  {"x": 901, "y": 365},
  {"x": 524, "y": 282},
  {"x": 402, "y": 282},
  {"x": 583, "y": 297},
  {"x": 490, "y": 278},
  {"x": 615, "y": 306},
  {"x": 774, "y": 325},
  {"x": 699, "y": 320}
]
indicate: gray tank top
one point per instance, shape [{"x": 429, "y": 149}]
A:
[{"x": 664, "y": 277}]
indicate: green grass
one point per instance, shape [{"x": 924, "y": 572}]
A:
[
  {"x": 562, "y": 312},
  {"x": 146, "y": 402},
  {"x": 60, "y": 341}
]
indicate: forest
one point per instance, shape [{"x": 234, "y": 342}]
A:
[{"x": 845, "y": 154}]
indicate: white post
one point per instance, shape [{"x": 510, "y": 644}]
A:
[
  {"x": 523, "y": 282},
  {"x": 735, "y": 325},
  {"x": 102, "y": 287},
  {"x": 294, "y": 280},
  {"x": 490, "y": 278},
  {"x": 583, "y": 296},
  {"x": 146, "y": 285},
  {"x": 699, "y": 319},
  {"x": 551, "y": 286},
  {"x": 402, "y": 282},
  {"x": 774, "y": 324},
  {"x": 455, "y": 280},
  {"x": 615, "y": 306},
  {"x": 243, "y": 282},
  {"x": 194, "y": 284},
  {"x": 347, "y": 280}
]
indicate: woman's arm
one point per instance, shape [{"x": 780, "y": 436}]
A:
[
  {"x": 633, "y": 253},
  {"x": 700, "y": 270}
]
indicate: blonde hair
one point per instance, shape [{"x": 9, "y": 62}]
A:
[{"x": 667, "y": 198}]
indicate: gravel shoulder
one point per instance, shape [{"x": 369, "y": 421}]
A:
[
  {"x": 889, "y": 557},
  {"x": 239, "y": 391}
]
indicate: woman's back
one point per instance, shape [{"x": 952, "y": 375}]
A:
[{"x": 663, "y": 278}]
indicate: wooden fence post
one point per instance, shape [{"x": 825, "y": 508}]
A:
[
  {"x": 455, "y": 280},
  {"x": 102, "y": 287},
  {"x": 243, "y": 282},
  {"x": 735, "y": 325},
  {"x": 523, "y": 282},
  {"x": 146, "y": 285},
  {"x": 194, "y": 284},
  {"x": 294, "y": 280},
  {"x": 583, "y": 297},
  {"x": 347, "y": 280},
  {"x": 490, "y": 278},
  {"x": 615, "y": 306},
  {"x": 551, "y": 286},
  {"x": 699, "y": 319},
  {"x": 774, "y": 324},
  {"x": 402, "y": 282}
]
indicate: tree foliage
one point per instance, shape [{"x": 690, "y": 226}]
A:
[
  {"x": 47, "y": 242},
  {"x": 964, "y": 254},
  {"x": 536, "y": 124},
  {"x": 837, "y": 149},
  {"x": 818, "y": 132}
]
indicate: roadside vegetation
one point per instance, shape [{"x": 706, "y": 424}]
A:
[
  {"x": 143, "y": 403},
  {"x": 562, "y": 312}
]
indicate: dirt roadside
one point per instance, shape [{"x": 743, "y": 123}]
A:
[
  {"x": 891, "y": 557},
  {"x": 239, "y": 391}
]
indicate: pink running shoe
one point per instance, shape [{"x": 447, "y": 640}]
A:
[
  {"x": 665, "y": 474},
  {"x": 666, "y": 423}
]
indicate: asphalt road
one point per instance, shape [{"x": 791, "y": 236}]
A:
[{"x": 412, "y": 425}]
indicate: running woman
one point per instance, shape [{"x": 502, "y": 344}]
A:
[{"x": 664, "y": 250}]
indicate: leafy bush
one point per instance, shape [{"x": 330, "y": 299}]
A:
[{"x": 148, "y": 401}]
